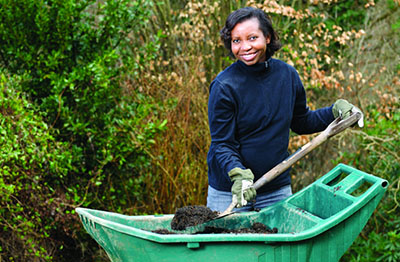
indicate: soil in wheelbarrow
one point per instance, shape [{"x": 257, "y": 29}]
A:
[{"x": 194, "y": 215}]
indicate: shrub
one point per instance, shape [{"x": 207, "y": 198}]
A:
[
  {"x": 77, "y": 59},
  {"x": 33, "y": 165},
  {"x": 75, "y": 56}
]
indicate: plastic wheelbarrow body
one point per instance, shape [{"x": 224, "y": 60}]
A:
[{"x": 318, "y": 223}]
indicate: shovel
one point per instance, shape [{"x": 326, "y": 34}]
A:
[{"x": 337, "y": 126}]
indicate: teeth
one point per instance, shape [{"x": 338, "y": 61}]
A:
[{"x": 249, "y": 56}]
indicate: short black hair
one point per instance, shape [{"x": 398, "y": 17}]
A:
[{"x": 244, "y": 14}]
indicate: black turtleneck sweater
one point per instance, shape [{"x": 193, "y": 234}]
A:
[{"x": 251, "y": 110}]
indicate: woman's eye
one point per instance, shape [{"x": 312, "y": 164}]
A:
[
  {"x": 253, "y": 38},
  {"x": 235, "y": 41}
]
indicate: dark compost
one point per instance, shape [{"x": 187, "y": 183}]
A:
[
  {"x": 189, "y": 216},
  {"x": 194, "y": 215}
]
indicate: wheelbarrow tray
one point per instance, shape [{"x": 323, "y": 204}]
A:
[{"x": 318, "y": 223}]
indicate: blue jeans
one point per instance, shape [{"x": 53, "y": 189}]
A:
[{"x": 220, "y": 200}]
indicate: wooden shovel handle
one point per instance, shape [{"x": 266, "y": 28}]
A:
[{"x": 334, "y": 128}]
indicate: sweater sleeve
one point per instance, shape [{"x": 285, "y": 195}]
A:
[
  {"x": 306, "y": 121},
  {"x": 222, "y": 109}
]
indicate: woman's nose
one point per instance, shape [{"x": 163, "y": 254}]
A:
[{"x": 245, "y": 45}]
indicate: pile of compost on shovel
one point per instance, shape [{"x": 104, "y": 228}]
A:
[{"x": 194, "y": 215}]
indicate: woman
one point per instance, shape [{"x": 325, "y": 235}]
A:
[{"x": 252, "y": 106}]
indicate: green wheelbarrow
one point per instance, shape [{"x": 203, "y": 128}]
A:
[{"x": 318, "y": 223}]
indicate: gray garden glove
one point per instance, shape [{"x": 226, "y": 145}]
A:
[
  {"x": 344, "y": 109},
  {"x": 242, "y": 188}
]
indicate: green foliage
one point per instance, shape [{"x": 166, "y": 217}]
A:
[
  {"x": 391, "y": 4},
  {"x": 347, "y": 14},
  {"x": 380, "y": 246},
  {"x": 77, "y": 60},
  {"x": 75, "y": 55},
  {"x": 381, "y": 144},
  {"x": 32, "y": 164}
]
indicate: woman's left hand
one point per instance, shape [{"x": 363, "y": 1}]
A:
[{"x": 342, "y": 108}]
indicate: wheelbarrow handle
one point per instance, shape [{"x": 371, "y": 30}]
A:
[{"x": 338, "y": 125}]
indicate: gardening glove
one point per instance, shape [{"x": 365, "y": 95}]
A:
[
  {"x": 342, "y": 108},
  {"x": 242, "y": 188}
]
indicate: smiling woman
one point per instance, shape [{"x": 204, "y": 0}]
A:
[{"x": 253, "y": 104}]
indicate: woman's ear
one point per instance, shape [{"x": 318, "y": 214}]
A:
[{"x": 268, "y": 39}]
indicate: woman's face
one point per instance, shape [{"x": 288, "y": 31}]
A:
[{"x": 248, "y": 42}]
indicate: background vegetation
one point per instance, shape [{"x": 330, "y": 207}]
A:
[{"x": 104, "y": 105}]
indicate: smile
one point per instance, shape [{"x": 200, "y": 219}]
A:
[{"x": 248, "y": 57}]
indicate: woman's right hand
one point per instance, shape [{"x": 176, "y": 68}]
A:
[{"x": 242, "y": 188}]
